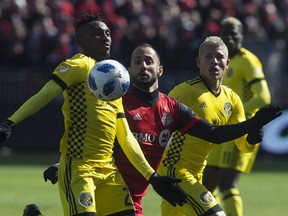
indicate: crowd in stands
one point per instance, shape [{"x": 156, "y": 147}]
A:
[{"x": 41, "y": 32}]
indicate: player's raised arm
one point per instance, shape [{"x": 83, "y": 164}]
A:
[
  {"x": 30, "y": 107},
  {"x": 223, "y": 133}
]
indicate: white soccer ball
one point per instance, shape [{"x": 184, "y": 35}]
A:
[{"x": 108, "y": 80}]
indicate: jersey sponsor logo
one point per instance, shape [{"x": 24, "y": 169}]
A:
[
  {"x": 147, "y": 137},
  {"x": 86, "y": 200},
  {"x": 228, "y": 108},
  {"x": 163, "y": 138},
  {"x": 166, "y": 119},
  {"x": 137, "y": 117},
  {"x": 63, "y": 68},
  {"x": 206, "y": 197}
]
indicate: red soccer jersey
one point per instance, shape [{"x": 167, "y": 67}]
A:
[{"x": 152, "y": 118}]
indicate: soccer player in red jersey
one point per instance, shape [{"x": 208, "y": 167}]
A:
[{"x": 152, "y": 118}]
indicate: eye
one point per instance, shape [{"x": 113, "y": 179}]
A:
[
  {"x": 149, "y": 61},
  {"x": 108, "y": 33}
]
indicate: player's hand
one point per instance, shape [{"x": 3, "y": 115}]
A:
[
  {"x": 51, "y": 173},
  {"x": 166, "y": 187},
  {"x": 265, "y": 115},
  {"x": 6, "y": 130},
  {"x": 255, "y": 136}
]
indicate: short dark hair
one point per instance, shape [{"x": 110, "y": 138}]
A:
[
  {"x": 144, "y": 44},
  {"x": 87, "y": 18}
]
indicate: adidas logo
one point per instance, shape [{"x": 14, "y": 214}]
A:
[
  {"x": 137, "y": 117},
  {"x": 203, "y": 105}
]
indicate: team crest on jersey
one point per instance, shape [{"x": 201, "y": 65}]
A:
[
  {"x": 206, "y": 197},
  {"x": 166, "y": 119},
  {"x": 228, "y": 108},
  {"x": 64, "y": 68},
  {"x": 86, "y": 200}
]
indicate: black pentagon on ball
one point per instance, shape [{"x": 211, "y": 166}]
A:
[
  {"x": 109, "y": 87},
  {"x": 105, "y": 68},
  {"x": 92, "y": 82}
]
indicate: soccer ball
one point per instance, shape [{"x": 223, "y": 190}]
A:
[{"x": 108, "y": 80}]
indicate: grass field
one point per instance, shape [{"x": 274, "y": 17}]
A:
[{"x": 264, "y": 190}]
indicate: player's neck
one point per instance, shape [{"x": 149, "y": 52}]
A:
[{"x": 150, "y": 97}]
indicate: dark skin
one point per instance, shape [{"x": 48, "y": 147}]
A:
[
  {"x": 232, "y": 35},
  {"x": 95, "y": 40}
]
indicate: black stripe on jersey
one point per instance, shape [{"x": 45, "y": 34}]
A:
[
  {"x": 121, "y": 115},
  {"x": 255, "y": 81},
  {"x": 60, "y": 82},
  {"x": 213, "y": 210},
  {"x": 68, "y": 190},
  {"x": 194, "y": 81}
]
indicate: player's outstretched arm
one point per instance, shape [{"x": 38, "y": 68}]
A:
[
  {"x": 31, "y": 106},
  {"x": 223, "y": 133},
  {"x": 165, "y": 186}
]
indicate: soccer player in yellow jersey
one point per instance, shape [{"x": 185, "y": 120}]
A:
[
  {"x": 185, "y": 156},
  {"x": 89, "y": 181},
  {"x": 245, "y": 76}
]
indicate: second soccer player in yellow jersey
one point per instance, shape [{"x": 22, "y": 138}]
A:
[
  {"x": 246, "y": 77},
  {"x": 185, "y": 156}
]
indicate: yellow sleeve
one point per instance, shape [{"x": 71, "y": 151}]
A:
[
  {"x": 36, "y": 102},
  {"x": 132, "y": 149},
  {"x": 243, "y": 145},
  {"x": 260, "y": 99}
]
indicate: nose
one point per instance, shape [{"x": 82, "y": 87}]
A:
[
  {"x": 143, "y": 65},
  {"x": 214, "y": 61}
]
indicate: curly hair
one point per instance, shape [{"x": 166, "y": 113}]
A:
[{"x": 87, "y": 18}]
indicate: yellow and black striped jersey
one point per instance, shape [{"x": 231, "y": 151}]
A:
[
  {"x": 90, "y": 123},
  {"x": 246, "y": 77},
  {"x": 219, "y": 109}
]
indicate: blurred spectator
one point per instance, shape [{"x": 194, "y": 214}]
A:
[{"x": 40, "y": 32}]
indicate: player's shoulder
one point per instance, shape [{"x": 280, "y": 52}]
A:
[
  {"x": 168, "y": 98},
  {"x": 188, "y": 84},
  {"x": 248, "y": 55},
  {"x": 78, "y": 61},
  {"x": 192, "y": 82},
  {"x": 229, "y": 92}
]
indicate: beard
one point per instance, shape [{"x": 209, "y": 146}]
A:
[{"x": 144, "y": 83}]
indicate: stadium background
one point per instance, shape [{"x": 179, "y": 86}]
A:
[{"x": 35, "y": 35}]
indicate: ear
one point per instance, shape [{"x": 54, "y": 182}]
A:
[
  {"x": 228, "y": 62},
  {"x": 160, "y": 70}
]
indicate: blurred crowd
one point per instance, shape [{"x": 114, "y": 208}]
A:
[{"x": 41, "y": 32}]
